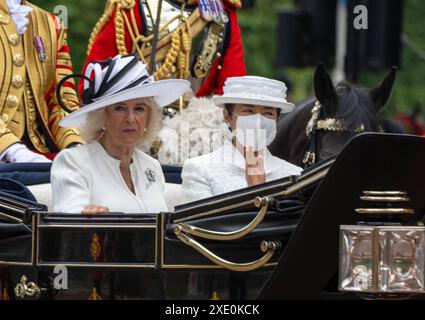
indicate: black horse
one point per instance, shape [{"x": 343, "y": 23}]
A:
[{"x": 319, "y": 127}]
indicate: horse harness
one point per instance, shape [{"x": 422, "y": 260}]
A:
[{"x": 317, "y": 124}]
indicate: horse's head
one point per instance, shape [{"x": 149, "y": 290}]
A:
[{"x": 341, "y": 112}]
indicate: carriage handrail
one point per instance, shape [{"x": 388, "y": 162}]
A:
[
  {"x": 302, "y": 182},
  {"x": 268, "y": 247},
  {"x": 260, "y": 202}
]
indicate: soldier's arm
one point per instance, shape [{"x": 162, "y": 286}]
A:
[{"x": 231, "y": 63}]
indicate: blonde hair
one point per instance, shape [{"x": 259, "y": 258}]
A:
[{"x": 93, "y": 127}]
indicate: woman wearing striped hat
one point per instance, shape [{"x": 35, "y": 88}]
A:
[{"x": 121, "y": 117}]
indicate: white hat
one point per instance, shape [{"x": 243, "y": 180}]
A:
[
  {"x": 120, "y": 79},
  {"x": 254, "y": 90}
]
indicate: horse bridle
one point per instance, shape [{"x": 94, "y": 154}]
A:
[{"x": 317, "y": 124}]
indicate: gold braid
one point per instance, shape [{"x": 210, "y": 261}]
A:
[
  {"x": 186, "y": 44},
  {"x": 120, "y": 33},
  {"x": 184, "y": 53},
  {"x": 188, "y": 48},
  {"x": 167, "y": 67},
  {"x": 119, "y": 24}
]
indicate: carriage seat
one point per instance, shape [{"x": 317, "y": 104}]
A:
[
  {"x": 43, "y": 194},
  {"x": 36, "y": 176}
]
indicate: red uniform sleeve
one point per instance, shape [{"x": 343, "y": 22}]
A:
[{"x": 233, "y": 64}]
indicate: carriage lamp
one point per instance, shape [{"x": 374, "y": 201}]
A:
[
  {"x": 381, "y": 259},
  {"x": 402, "y": 259},
  {"x": 356, "y": 258}
]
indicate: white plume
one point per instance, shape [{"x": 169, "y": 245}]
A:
[{"x": 198, "y": 130}]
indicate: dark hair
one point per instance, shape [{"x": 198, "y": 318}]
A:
[{"x": 230, "y": 107}]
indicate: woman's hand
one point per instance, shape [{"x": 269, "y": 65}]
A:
[
  {"x": 254, "y": 168},
  {"x": 91, "y": 210}
]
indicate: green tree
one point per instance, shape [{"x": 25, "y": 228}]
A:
[
  {"x": 260, "y": 44},
  {"x": 82, "y": 17}
]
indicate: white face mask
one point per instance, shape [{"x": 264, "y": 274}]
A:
[{"x": 256, "y": 131}]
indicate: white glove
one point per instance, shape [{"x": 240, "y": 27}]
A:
[{"x": 20, "y": 153}]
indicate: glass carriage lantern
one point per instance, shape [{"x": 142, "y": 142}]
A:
[{"x": 382, "y": 260}]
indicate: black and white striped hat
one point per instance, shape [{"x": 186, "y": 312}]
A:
[{"x": 120, "y": 79}]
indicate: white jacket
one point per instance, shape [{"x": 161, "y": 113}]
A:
[
  {"x": 87, "y": 175},
  {"x": 223, "y": 171}
]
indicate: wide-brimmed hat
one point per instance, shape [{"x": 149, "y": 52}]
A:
[
  {"x": 120, "y": 79},
  {"x": 256, "y": 91}
]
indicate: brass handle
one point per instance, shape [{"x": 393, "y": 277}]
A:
[
  {"x": 385, "y": 198},
  {"x": 385, "y": 193},
  {"x": 259, "y": 202},
  {"x": 24, "y": 289},
  {"x": 269, "y": 247},
  {"x": 384, "y": 211}
]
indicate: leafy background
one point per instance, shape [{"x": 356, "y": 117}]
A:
[
  {"x": 259, "y": 35},
  {"x": 258, "y": 26}
]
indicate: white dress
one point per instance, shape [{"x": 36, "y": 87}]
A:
[
  {"x": 223, "y": 171},
  {"x": 88, "y": 175}
]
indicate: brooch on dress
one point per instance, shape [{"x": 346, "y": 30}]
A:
[{"x": 151, "y": 176}]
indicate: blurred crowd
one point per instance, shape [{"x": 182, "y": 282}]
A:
[{"x": 413, "y": 122}]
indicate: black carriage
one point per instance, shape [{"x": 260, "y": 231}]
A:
[{"x": 280, "y": 240}]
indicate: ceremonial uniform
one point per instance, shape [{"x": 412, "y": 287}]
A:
[
  {"x": 32, "y": 65},
  {"x": 128, "y": 26}
]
